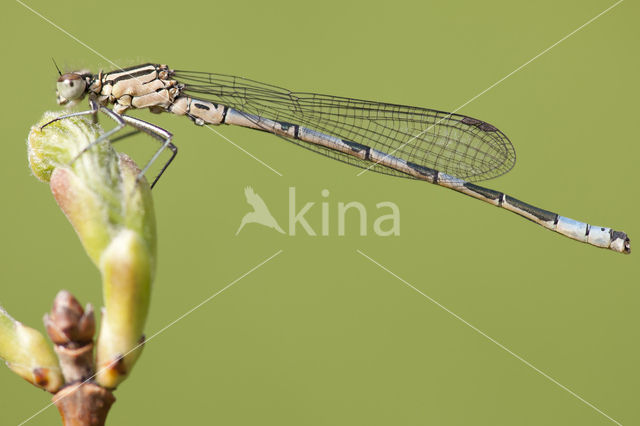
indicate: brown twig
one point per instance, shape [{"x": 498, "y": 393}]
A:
[{"x": 81, "y": 401}]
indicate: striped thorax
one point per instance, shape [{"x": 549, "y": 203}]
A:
[{"x": 146, "y": 86}]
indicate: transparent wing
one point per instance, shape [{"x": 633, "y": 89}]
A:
[{"x": 461, "y": 146}]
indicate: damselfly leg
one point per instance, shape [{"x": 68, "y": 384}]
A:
[
  {"x": 155, "y": 132},
  {"x": 95, "y": 108},
  {"x": 93, "y": 111},
  {"x": 152, "y": 130}
]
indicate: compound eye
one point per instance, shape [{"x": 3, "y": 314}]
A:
[{"x": 71, "y": 87}]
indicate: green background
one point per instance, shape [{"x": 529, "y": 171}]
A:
[{"x": 320, "y": 335}]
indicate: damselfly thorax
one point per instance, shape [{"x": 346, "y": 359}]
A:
[
  {"x": 446, "y": 149},
  {"x": 148, "y": 86}
]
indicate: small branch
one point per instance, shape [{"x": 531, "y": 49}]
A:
[
  {"x": 81, "y": 402},
  {"x": 110, "y": 207},
  {"x": 84, "y": 404}
]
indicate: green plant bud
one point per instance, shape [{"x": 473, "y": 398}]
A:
[
  {"x": 111, "y": 210},
  {"x": 97, "y": 189},
  {"x": 126, "y": 277},
  {"x": 26, "y": 352}
]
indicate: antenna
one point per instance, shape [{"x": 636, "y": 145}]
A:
[{"x": 56, "y": 65}]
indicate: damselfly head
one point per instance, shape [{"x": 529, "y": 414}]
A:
[{"x": 70, "y": 88}]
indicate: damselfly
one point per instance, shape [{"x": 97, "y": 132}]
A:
[{"x": 445, "y": 149}]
